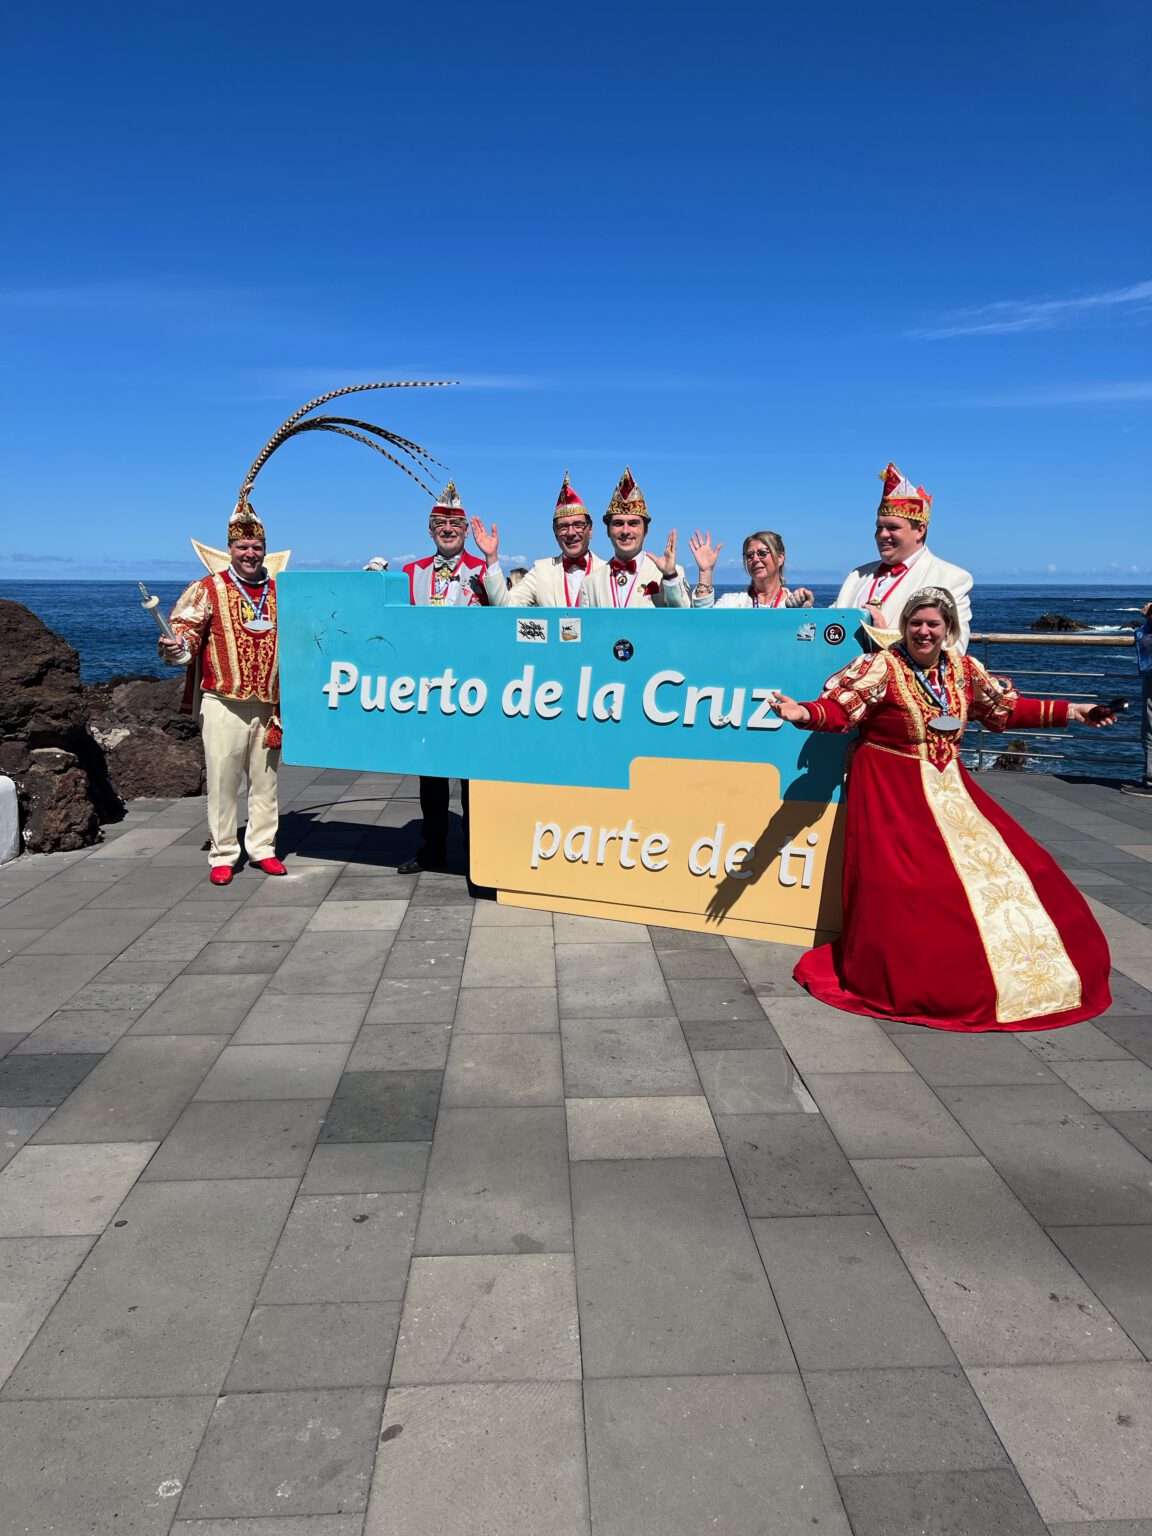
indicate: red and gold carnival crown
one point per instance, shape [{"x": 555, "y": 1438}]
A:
[
  {"x": 627, "y": 497},
  {"x": 448, "y": 503},
  {"x": 900, "y": 498},
  {"x": 244, "y": 524},
  {"x": 568, "y": 503}
]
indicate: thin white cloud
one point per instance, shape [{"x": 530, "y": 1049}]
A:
[
  {"x": 1007, "y": 317},
  {"x": 1128, "y": 392}
]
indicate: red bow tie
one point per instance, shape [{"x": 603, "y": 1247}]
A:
[
  {"x": 576, "y": 563},
  {"x": 623, "y": 565},
  {"x": 896, "y": 570}
]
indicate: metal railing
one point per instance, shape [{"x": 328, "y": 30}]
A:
[{"x": 978, "y": 750}]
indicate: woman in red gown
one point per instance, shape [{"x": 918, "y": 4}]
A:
[{"x": 953, "y": 916}]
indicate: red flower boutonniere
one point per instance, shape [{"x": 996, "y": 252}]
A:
[{"x": 650, "y": 588}]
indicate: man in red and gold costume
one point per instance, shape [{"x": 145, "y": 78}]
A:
[
  {"x": 225, "y": 632},
  {"x": 449, "y": 578}
]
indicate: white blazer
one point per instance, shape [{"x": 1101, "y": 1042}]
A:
[
  {"x": 543, "y": 587},
  {"x": 598, "y": 588},
  {"x": 924, "y": 570}
]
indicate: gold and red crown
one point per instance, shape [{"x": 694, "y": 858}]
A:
[
  {"x": 568, "y": 502},
  {"x": 900, "y": 498},
  {"x": 627, "y": 497},
  {"x": 244, "y": 524}
]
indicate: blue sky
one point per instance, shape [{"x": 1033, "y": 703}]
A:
[{"x": 752, "y": 253}]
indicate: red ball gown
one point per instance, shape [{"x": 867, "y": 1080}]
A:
[{"x": 953, "y": 916}]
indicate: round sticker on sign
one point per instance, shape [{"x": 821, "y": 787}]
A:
[
  {"x": 623, "y": 650},
  {"x": 834, "y": 634}
]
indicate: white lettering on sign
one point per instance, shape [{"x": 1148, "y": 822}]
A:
[
  {"x": 667, "y": 698},
  {"x": 805, "y": 855},
  {"x": 712, "y": 856},
  {"x": 719, "y": 709}
]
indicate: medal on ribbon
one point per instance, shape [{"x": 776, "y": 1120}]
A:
[{"x": 946, "y": 723}]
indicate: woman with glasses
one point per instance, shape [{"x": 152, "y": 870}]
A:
[{"x": 764, "y": 562}]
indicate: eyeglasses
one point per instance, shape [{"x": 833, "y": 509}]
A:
[
  {"x": 448, "y": 524},
  {"x": 574, "y": 525}
]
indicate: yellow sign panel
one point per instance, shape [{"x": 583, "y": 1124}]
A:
[{"x": 702, "y": 845}]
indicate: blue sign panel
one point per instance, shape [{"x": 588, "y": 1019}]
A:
[{"x": 545, "y": 695}]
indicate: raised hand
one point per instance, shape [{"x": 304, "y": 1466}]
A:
[
  {"x": 704, "y": 552},
  {"x": 487, "y": 543},
  {"x": 788, "y": 709},
  {"x": 666, "y": 563}
]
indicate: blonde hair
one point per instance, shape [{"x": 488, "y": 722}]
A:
[
  {"x": 934, "y": 597},
  {"x": 774, "y": 542}
]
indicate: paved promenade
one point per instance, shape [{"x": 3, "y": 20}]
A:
[{"x": 341, "y": 1205}]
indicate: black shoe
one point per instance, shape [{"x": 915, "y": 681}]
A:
[
  {"x": 426, "y": 858},
  {"x": 1137, "y": 789}
]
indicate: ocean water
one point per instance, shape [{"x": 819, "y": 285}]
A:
[{"x": 115, "y": 637}]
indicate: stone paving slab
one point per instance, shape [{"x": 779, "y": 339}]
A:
[
  {"x": 98, "y": 1466},
  {"x": 674, "y": 1456},
  {"x": 161, "y": 1302},
  {"x": 971, "y": 1503},
  {"x": 540, "y": 1146},
  {"x": 667, "y": 1272},
  {"x": 503, "y": 1457},
  {"x": 912, "y": 1420},
  {"x": 1001, "y": 1291},
  {"x": 502, "y": 1317},
  {"x": 1081, "y": 1435},
  {"x": 285, "y": 1453},
  {"x": 845, "y": 1295},
  {"x": 68, "y": 1191},
  {"x": 136, "y": 1092}
]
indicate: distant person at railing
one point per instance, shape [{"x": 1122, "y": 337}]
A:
[
  {"x": 764, "y": 562},
  {"x": 1143, "y": 638},
  {"x": 881, "y": 587},
  {"x": 953, "y": 916}
]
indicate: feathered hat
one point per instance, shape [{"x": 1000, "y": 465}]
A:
[
  {"x": 448, "y": 503},
  {"x": 568, "y": 503},
  {"x": 245, "y": 524},
  {"x": 627, "y": 497},
  {"x": 900, "y": 498}
]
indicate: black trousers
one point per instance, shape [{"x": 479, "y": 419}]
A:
[{"x": 434, "y": 797}]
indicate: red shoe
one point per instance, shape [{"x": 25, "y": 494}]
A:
[
  {"x": 271, "y": 866},
  {"x": 221, "y": 874}
]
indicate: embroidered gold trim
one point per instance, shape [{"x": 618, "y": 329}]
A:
[{"x": 1031, "y": 969}]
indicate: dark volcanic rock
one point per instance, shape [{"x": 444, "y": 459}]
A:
[
  {"x": 41, "y": 696},
  {"x": 152, "y": 749},
  {"x": 56, "y": 807},
  {"x": 1059, "y": 622},
  {"x": 60, "y": 773}
]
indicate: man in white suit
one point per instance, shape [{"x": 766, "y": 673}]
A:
[
  {"x": 557, "y": 582},
  {"x": 632, "y": 578},
  {"x": 906, "y": 564}
]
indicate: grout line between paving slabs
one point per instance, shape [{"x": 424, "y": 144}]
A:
[{"x": 387, "y": 1386}]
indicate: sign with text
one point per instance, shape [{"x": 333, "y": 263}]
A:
[
  {"x": 547, "y": 696},
  {"x": 623, "y": 764}
]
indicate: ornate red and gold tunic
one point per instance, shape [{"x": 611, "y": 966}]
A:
[
  {"x": 953, "y": 916},
  {"x": 233, "y": 661}
]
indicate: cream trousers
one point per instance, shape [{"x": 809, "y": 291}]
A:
[{"x": 233, "y": 734}]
